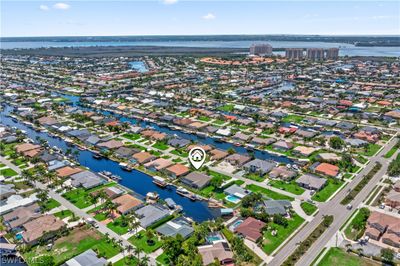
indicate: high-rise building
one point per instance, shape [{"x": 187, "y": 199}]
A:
[
  {"x": 332, "y": 53},
  {"x": 261, "y": 49},
  {"x": 294, "y": 53},
  {"x": 315, "y": 54}
]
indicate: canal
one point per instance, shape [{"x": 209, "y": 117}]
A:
[{"x": 137, "y": 181}]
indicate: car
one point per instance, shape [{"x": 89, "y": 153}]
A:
[
  {"x": 349, "y": 206},
  {"x": 382, "y": 206}
]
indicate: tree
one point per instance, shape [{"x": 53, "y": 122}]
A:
[
  {"x": 336, "y": 143},
  {"x": 387, "y": 255},
  {"x": 46, "y": 260},
  {"x": 172, "y": 247},
  {"x": 279, "y": 219}
]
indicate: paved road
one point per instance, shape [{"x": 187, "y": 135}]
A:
[
  {"x": 333, "y": 207},
  {"x": 78, "y": 212}
]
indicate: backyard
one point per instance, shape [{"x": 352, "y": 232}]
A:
[
  {"x": 291, "y": 187},
  {"x": 269, "y": 193},
  {"x": 140, "y": 241},
  {"x": 330, "y": 188}
]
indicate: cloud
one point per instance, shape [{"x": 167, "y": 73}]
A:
[
  {"x": 169, "y": 2},
  {"x": 209, "y": 16},
  {"x": 44, "y": 7},
  {"x": 62, "y": 6}
]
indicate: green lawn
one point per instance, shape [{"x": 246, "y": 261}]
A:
[
  {"x": 126, "y": 261},
  {"x": 131, "y": 136},
  {"x": 51, "y": 204},
  {"x": 291, "y": 187},
  {"x": 117, "y": 227},
  {"x": 160, "y": 145},
  {"x": 204, "y": 118},
  {"x": 270, "y": 242},
  {"x": 391, "y": 152},
  {"x": 308, "y": 208},
  {"x": 219, "y": 122},
  {"x": 353, "y": 232},
  {"x": 292, "y": 119},
  {"x": 81, "y": 198},
  {"x": 255, "y": 177},
  {"x": 269, "y": 193},
  {"x": 78, "y": 241},
  {"x": 371, "y": 150},
  {"x": 163, "y": 259},
  {"x": 180, "y": 153},
  {"x": 7, "y": 172},
  {"x": 62, "y": 214},
  {"x": 140, "y": 241},
  {"x": 337, "y": 256},
  {"x": 328, "y": 190},
  {"x": 226, "y": 108}
]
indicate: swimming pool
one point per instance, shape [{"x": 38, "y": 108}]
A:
[
  {"x": 18, "y": 236},
  {"x": 236, "y": 224},
  {"x": 232, "y": 199},
  {"x": 211, "y": 239}
]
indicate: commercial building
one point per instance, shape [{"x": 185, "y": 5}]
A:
[
  {"x": 294, "y": 53},
  {"x": 261, "y": 49}
]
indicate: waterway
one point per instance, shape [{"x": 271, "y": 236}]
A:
[
  {"x": 345, "y": 49},
  {"x": 137, "y": 181},
  {"x": 138, "y": 66}
]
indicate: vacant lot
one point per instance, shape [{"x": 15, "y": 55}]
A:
[{"x": 336, "y": 256}]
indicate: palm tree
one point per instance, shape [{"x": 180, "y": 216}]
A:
[{"x": 144, "y": 261}]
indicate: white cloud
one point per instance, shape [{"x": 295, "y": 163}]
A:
[
  {"x": 209, "y": 16},
  {"x": 44, "y": 7},
  {"x": 62, "y": 6},
  {"x": 169, "y": 2}
]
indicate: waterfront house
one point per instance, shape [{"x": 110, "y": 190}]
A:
[
  {"x": 311, "y": 182},
  {"x": 125, "y": 152},
  {"x": 241, "y": 137},
  {"x": 237, "y": 191},
  {"x": 45, "y": 227},
  {"x": 196, "y": 180},
  {"x": 178, "y": 142},
  {"x": 158, "y": 164},
  {"x": 127, "y": 203},
  {"x": 304, "y": 150},
  {"x": 237, "y": 159},
  {"x": 217, "y": 154},
  {"x": 177, "y": 170},
  {"x": 112, "y": 192},
  {"x": 251, "y": 229},
  {"x": 86, "y": 179},
  {"x": 327, "y": 169},
  {"x": 282, "y": 145},
  {"x": 259, "y": 166},
  {"x": 328, "y": 157},
  {"x": 67, "y": 171},
  {"x": 218, "y": 251},
  {"x": 143, "y": 157},
  {"x": 283, "y": 173},
  {"x": 262, "y": 141},
  {"x": 110, "y": 145},
  {"x": 272, "y": 207},
  {"x": 151, "y": 214}
]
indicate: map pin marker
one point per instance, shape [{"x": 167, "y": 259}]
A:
[{"x": 197, "y": 156}]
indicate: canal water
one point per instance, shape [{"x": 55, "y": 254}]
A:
[
  {"x": 137, "y": 181},
  {"x": 139, "y": 66}
]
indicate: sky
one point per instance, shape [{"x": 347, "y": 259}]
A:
[{"x": 180, "y": 17}]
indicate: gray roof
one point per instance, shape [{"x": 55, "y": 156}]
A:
[
  {"x": 236, "y": 191},
  {"x": 196, "y": 179},
  {"x": 260, "y": 165},
  {"x": 178, "y": 226},
  {"x": 150, "y": 214},
  {"x": 311, "y": 181},
  {"x": 86, "y": 179},
  {"x": 276, "y": 206},
  {"x": 178, "y": 142},
  {"x": 87, "y": 258}
]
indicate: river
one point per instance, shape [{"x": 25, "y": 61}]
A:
[{"x": 345, "y": 49}]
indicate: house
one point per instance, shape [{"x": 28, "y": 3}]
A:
[
  {"x": 86, "y": 179},
  {"x": 241, "y": 136},
  {"x": 127, "y": 203},
  {"x": 218, "y": 251},
  {"x": 196, "y": 180},
  {"x": 177, "y": 170},
  {"x": 262, "y": 141},
  {"x": 125, "y": 152},
  {"x": 251, "y": 229},
  {"x": 272, "y": 207},
  {"x": 45, "y": 226},
  {"x": 259, "y": 166},
  {"x": 237, "y": 191},
  {"x": 384, "y": 226},
  {"x": 151, "y": 214},
  {"x": 92, "y": 140},
  {"x": 25, "y": 147},
  {"x": 392, "y": 199},
  {"x": 237, "y": 159},
  {"x": 217, "y": 154},
  {"x": 304, "y": 150},
  {"x": 16, "y": 218},
  {"x": 178, "y": 226},
  {"x": 327, "y": 169},
  {"x": 307, "y": 134},
  {"x": 143, "y": 157},
  {"x": 178, "y": 142},
  {"x": 206, "y": 148},
  {"x": 113, "y": 192},
  {"x": 6, "y": 190},
  {"x": 15, "y": 201},
  {"x": 282, "y": 145},
  {"x": 158, "y": 164},
  {"x": 110, "y": 145},
  {"x": 283, "y": 173},
  {"x": 328, "y": 157},
  {"x": 67, "y": 171},
  {"x": 311, "y": 182},
  {"x": 87, "y": 258}
]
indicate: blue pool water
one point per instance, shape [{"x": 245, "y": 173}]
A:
[
  {"x": 237, "y": 223},
  {"x": 232, "y": 199}
]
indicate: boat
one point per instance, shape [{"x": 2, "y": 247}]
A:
[
  {"x": 159, "y": 181},
  {"x": 170, "y": 203},
  {"x": 97, "y": 156},
  {"x": 115, "y": 177},
  {"x": 201, "y": 134},
  {"x": 106, "y": 173},
  {"x": 152, "y": 197},
  {"x": 237, "y": 144},
  {"x": 250, "y": 147},
  {"x": 186, "y": 193}
]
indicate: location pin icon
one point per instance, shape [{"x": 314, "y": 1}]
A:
[{"x": 197, "y": 156}]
